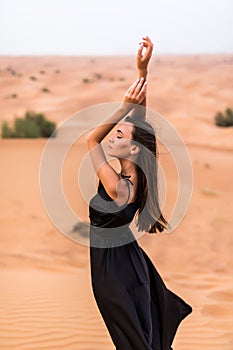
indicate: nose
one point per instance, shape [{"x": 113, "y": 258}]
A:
[{"x": 110, "y": 139}]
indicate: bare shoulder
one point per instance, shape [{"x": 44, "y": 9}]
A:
[
  {"x": 126, "y": 192},
  {"x": 122, "y": 192}
]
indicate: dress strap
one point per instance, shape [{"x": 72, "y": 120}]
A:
[{"x": 126, "y": 177}]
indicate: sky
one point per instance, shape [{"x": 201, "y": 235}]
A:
[{"x": 106, "y": 27}]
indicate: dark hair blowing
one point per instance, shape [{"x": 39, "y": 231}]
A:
[{"x": 149, "y": 215}]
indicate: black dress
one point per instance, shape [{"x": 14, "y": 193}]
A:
[{"x": 140, "y": 313}]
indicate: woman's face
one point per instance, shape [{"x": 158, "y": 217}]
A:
[{"x": 119, "y": 144}]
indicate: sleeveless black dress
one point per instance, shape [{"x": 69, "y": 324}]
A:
[{"x": 140, "y": 313}]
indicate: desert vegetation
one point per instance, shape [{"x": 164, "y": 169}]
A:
[
  {"x": 32, "y": 125},
  {"x": 224, "y": 119}
]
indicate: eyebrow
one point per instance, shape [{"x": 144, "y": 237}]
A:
[{"x": 120, "y": 131}]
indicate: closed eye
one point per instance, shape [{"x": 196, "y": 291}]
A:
[{"x": 119, "y": 132}]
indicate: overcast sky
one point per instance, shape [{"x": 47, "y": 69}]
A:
[{"x": 106, "y": 27}]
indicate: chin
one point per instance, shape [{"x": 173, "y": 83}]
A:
[{"x": 109, "y": 152}]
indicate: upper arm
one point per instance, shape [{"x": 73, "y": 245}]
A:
[{"x": 115, "y": 187}]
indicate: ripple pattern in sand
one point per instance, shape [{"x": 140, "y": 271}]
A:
[{"x": 43, "y": 310}]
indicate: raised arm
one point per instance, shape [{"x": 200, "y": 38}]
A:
[
  {"x": 108, "y": 176},
  {"x": 142, "y": 62}
]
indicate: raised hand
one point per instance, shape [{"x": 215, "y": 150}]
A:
[
  {"x": 136, "y": 92},
  {"x": 142, "y": 60}
]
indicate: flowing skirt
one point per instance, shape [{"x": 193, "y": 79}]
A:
[{"x": 139, "y": 311}]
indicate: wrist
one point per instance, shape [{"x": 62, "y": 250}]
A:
[
  {"x": 142, "y": 73},
  {"x": 126, "y": 107}
]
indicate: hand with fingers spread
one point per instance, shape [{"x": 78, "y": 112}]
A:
[
  {"x": 136, "y": 92},
  {"x": 142, "y": 60}
]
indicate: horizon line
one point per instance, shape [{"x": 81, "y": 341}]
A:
[{"x": 118, "y": 55}]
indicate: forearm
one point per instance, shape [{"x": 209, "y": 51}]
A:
[
  {"x": 142, "y": 74},
  {"x": 142, "y": 60},
  {"x": 137, "y": 112},
  {"x": 99, "y": 133}
]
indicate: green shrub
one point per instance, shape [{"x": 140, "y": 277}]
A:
[
  {"x": 39, "y": 118},
  {"x": 7, "y": 132},
  {"x": 48, "y": 128},
  {"x": 224, "y": 120},
  {"x": 33, "y": 125},
  {"x": 26, "y": 128}
]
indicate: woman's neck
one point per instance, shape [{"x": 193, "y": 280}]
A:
[{"x": 128, "y": 168}]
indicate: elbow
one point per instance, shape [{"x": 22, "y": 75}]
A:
[{"x": 90, "y": 140}]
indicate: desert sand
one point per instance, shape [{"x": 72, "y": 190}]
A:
[{"x": 46, "y": 300}]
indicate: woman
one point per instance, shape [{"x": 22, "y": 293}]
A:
[{"x": 140, "y": 313}]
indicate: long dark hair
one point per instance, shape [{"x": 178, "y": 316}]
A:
[{"x": 149, "y": 215}]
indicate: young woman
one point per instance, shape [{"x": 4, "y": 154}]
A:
[{"x": 140, "y": 313}]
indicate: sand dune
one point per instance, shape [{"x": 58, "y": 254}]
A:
[{"x": 46, "y": 300}]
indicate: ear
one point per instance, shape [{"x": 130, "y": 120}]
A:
[{"x": 135, "y": 149}]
